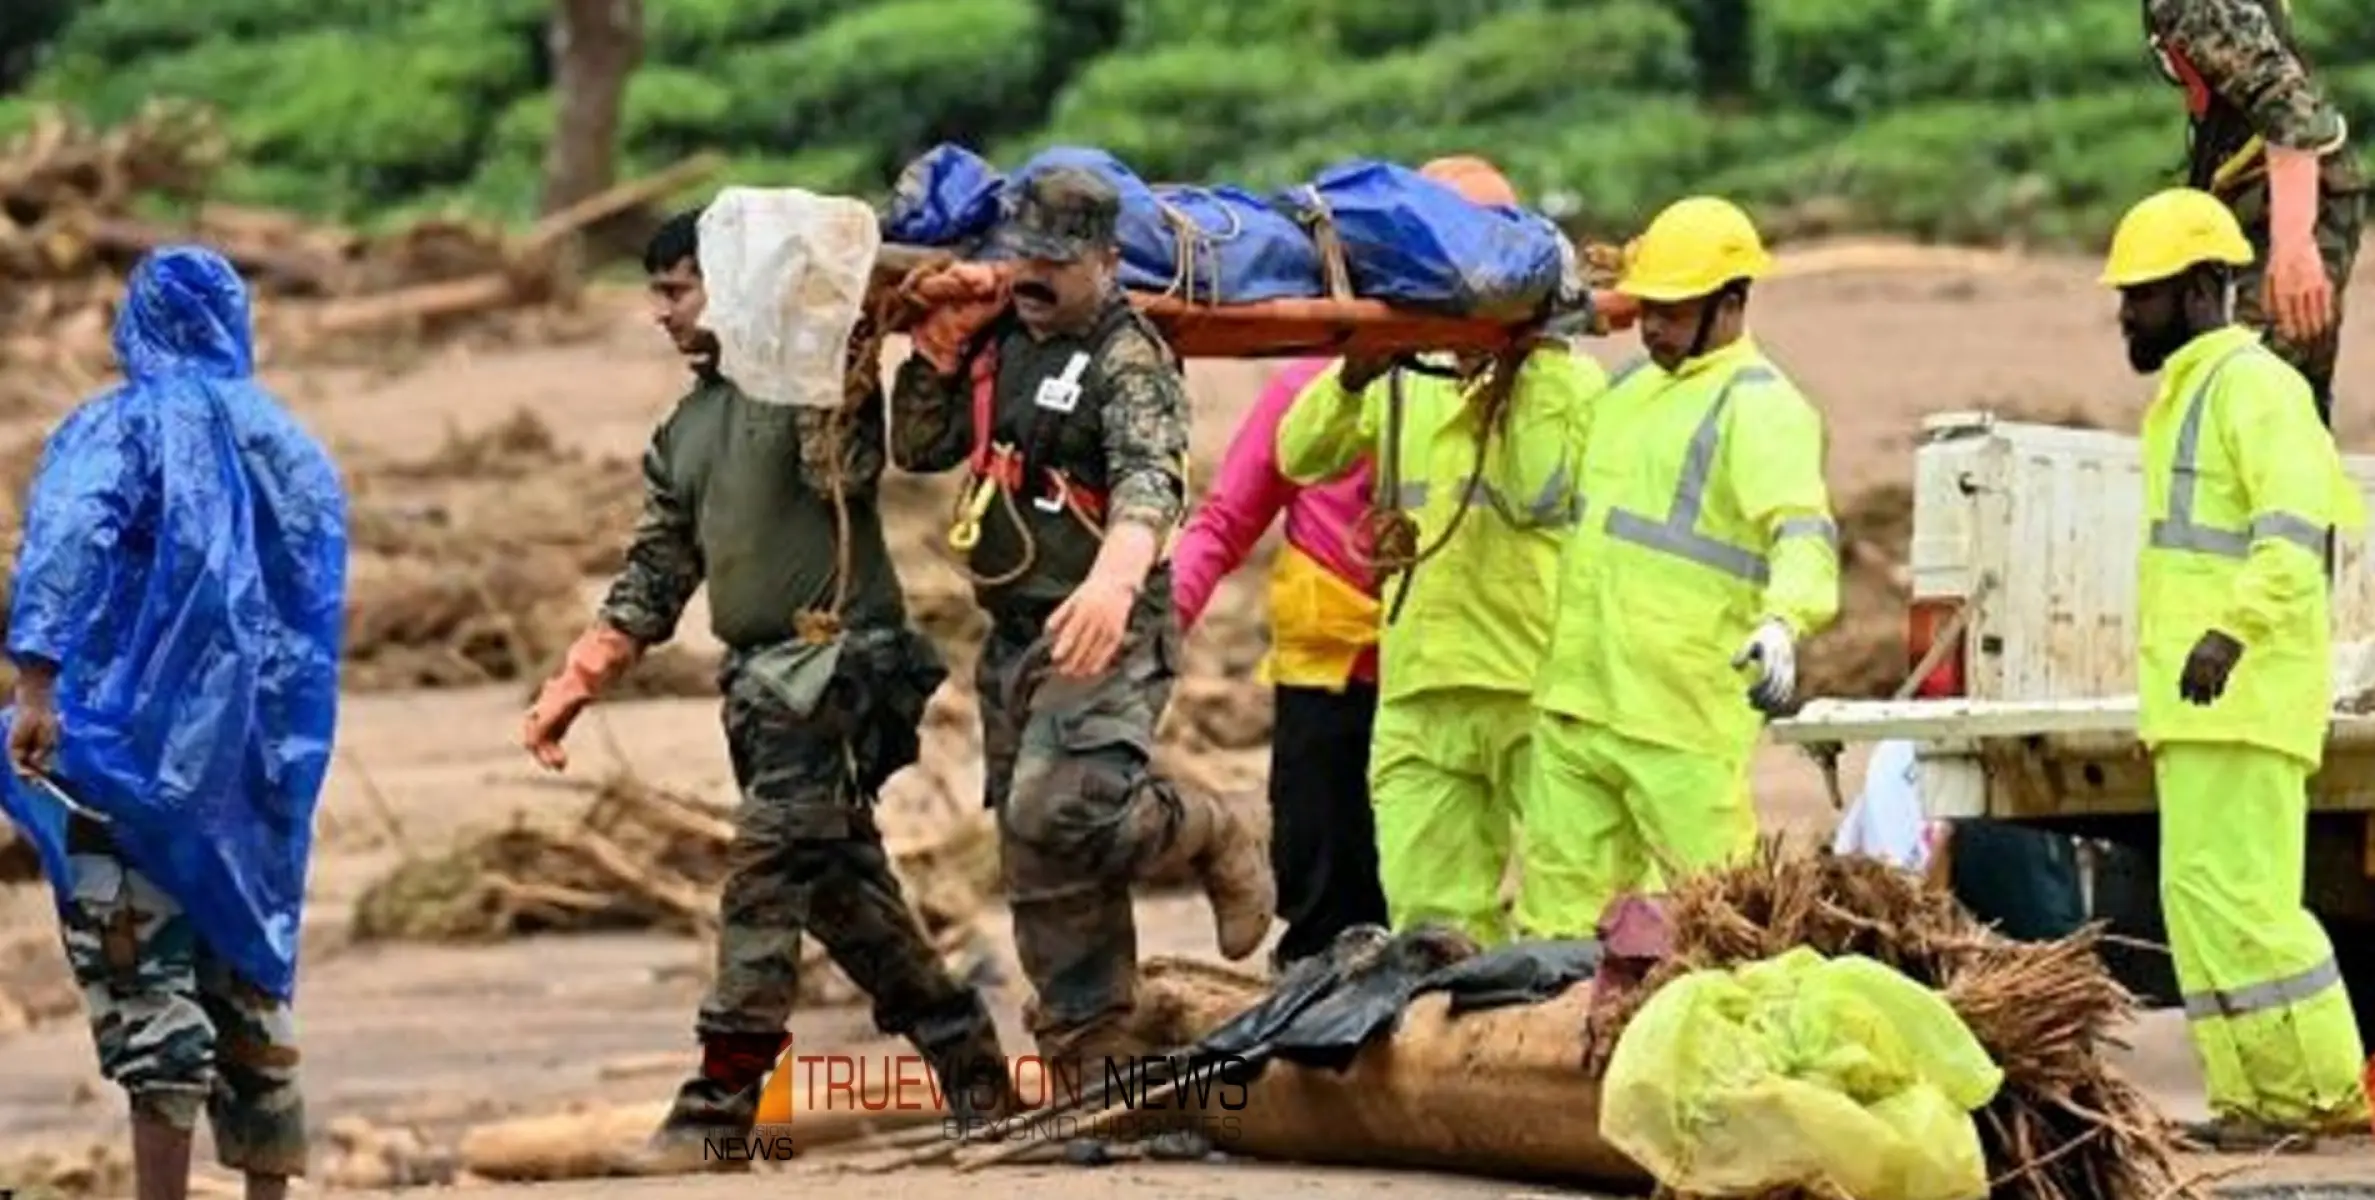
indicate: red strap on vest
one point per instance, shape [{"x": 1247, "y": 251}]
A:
[
  {"x": 2197, "y": 90},
  {"x": 985, "y": 407},
  {"x": 1001, "y": 464}
]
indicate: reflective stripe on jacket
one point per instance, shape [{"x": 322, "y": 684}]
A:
[
  {"x": 1704, "y": 511},
  {"x": 1478, "y": 613},
  {"x": 2241, "y": 483}
]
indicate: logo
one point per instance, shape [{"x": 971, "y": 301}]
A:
[{"x": 1152, "y": 1094}]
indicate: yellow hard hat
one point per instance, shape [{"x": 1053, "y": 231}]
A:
[
  {"x": 1693, "y": 248},
  {"x": 2169, "y": 232}
]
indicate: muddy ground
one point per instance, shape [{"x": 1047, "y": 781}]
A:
[{"x": 491, "y": 490}]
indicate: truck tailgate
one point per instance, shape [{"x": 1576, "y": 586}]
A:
[{"x": 2051, "y": 758}]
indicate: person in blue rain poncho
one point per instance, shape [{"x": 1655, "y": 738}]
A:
[{"x": 176, "y": 632}]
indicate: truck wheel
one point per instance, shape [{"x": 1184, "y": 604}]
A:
[
  {"x": 2127, "y": 895},
  {"x": 2128, "y": 899},
  {"x": 2354, "y": 952}
]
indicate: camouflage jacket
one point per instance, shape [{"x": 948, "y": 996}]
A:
[
  {"x": 1123, "y": 437},
  {"x": 2245, "y": 78},
  {"x": 737, "y": 494}
]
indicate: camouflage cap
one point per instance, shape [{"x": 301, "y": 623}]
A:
[{"x": 1063, "y": 214}]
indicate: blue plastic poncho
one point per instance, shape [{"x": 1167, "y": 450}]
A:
[{"x": 184, "y": 565}]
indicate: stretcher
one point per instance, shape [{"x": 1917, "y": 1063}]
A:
[{"x": 1333, "y": 326}]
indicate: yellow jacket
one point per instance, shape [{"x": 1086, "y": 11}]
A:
[
  {"x": 2240, "y": 485},
  {"x": 1477, "y": 614},
  {"x": 1705, "y": 511}
]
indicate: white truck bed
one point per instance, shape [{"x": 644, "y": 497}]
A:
[{"x": 2042, "y": 525}]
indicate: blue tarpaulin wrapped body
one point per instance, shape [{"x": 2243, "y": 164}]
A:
[
  {"x": 1406, "y": 239},
  {"x": 1411, "y": 241},
  {"x": 184, "y": 567},
  {"x": 1241, "y": 251},
  {"x": 947, "y": 197}
]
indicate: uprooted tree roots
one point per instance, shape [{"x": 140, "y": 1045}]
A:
[
  {"x": 641, "y": 857},
  {"x": 76, "y": 211},
  {"x": 2066, "y": 1124},
  {"x": 470, "y": 564}
]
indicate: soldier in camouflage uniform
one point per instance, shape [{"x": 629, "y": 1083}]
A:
[
  {"x": 1072, "y": 417},
  {"x": 2270, "y": 144},
  {"x": 176, "y": 1026},
  {"x": 739, "y": 494}
]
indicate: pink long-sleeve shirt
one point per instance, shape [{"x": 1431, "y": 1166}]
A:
[{"x": 1323, "y": 522}]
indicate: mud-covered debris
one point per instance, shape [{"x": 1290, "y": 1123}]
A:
[
  {"x": 91, "y": 1172},
  {"x": 642, "y": 857},
  {"x": 18, "y": 862},
  {"x": 80, "y": 204},
  {"x": 364, "y": 1157},
  {"x": 35, "y": 985}
]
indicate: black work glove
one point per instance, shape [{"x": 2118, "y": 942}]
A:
[{"x": 2207, "y": 667}]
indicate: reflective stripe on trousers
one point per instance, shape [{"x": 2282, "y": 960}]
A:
[
  {"x": 1677, "y": 532},
  {"x": 2178, "y": 530},
  {"x": 2262, "y": 997}
]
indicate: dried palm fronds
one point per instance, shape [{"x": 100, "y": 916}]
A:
[{"x": 2066, "y": 1124}]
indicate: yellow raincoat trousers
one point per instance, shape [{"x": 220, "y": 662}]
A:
[
  {"x": 2240, "y": 485},
  {"x": 1704, "y": 511},
  {"x": 1448, "y": 763}
]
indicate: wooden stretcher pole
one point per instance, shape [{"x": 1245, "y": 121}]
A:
[{"x": 1295, "y": 327}]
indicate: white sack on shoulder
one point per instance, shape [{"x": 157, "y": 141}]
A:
[{"x": 786, "y": 273}]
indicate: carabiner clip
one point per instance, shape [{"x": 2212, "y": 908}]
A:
[{"x": 965, "y": 532}]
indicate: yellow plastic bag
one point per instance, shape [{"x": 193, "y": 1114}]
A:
[{"x": 1833, "y": 1074}]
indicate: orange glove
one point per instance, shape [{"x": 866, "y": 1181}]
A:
[
  {"x": 595, "y": 661},
  {"x": 957, "y": 299},
  {"x": 1612, "y": 311},
  {"x": 2298, "y": 297}
]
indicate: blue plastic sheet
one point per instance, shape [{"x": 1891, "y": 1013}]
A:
[
  {"x": 184, "y": 565},
  {"x": 947, "y": 197},
  {"x": 1243, "y": 249},
  {"x": 1411, "y": 241},
  {"x": 1407, "y": 239}
]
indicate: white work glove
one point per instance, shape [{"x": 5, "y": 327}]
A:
[{"x": 1773, "y": 654}]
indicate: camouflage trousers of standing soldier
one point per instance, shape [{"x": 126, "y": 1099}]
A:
[
  {"x": 176, "y": 1029},
  {"x": 2340, "y": 219},
  {"x": 808, "y": 859},
  {"x": 1081, "y": 816}
]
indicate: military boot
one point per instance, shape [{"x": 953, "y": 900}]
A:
[
  {"x": 708, "y": 1128},
  {"x": 1234, "y": 870},
  {"x": 974, "y": 1083}
]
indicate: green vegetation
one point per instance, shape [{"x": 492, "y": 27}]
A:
[{"x": 1964, "y": 119}]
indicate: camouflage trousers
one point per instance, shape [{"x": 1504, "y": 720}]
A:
[
  {"x": 2340, "y": 217},
  {"x": 175, "y": 1028},
  {"x": 1067, "y": 765},
  {"x": 808, "y": 859}
]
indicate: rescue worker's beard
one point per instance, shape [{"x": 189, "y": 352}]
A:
[
  {"x": 1703, "y": 332},
  {"x": 2207, "y": 305},
  {"x": 2150, "y": 346}
]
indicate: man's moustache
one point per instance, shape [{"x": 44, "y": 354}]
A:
[{"x": 1033, "y": 291}]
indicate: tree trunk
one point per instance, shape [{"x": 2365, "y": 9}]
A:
[{"x": 596, "y": 45}]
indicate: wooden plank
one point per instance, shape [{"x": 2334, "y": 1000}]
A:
[{"x": 1294, "y": 326}]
